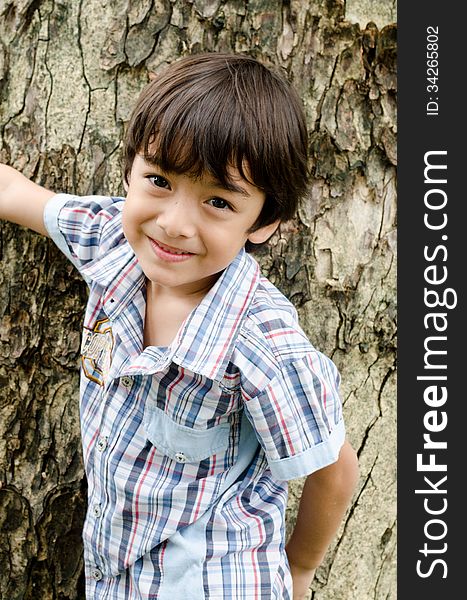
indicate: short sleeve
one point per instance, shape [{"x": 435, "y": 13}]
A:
[
  {"x": 298, "y": 417},
  {"x": 76, "y": 224}
]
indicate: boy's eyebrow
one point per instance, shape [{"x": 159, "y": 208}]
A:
[{"x": 230, "y": 186}]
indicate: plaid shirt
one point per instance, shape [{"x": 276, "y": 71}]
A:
[{"x": 188, "y": 448}]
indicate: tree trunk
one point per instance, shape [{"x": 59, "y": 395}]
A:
[{"x": 69, "y": 74}]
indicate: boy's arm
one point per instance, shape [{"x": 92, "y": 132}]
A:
[
  {"x": 325, "y": 498},
  {"x": 22, "y": 201}
]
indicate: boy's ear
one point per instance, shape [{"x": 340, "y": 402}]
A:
[
  {"x": 259, "y": 236},
  {"x": 126, "y": 183}
]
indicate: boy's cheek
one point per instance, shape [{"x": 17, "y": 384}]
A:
[{"x": 126, "y": 222}]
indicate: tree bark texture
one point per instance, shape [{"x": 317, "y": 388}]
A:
[{"x": 70, "y": 72}]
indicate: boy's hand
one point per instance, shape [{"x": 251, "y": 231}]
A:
[{"x": 302, "y": 579}]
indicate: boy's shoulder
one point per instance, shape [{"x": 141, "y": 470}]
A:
[
  {"x": 98, "y": 217},
  {"x": 271, "y": 338},
  {"x": 86, "y": 228},
  {"x": 270, "y": 309},
  {"x": 272, "y": 347},
  {"x": 86, "y": 206}
]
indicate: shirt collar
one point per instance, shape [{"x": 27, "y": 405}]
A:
[
  {"x": 206, "y": 340},
  {"x": 120, "y": 275}
]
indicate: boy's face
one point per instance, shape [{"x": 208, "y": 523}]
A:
[{"x": 186, "y": 231}]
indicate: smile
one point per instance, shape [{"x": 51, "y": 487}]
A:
[{"x": 168, "y": 253}]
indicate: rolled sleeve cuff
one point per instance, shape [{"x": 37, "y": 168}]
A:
[
  {"x": 314, "y": 458},
  {"x": 51, "y": 214}
]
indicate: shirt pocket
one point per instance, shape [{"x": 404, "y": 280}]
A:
[{"x": 181, "y": 443}]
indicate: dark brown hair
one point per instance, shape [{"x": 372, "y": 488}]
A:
[{"x": 208, "y": 112}]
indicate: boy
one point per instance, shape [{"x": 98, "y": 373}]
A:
[{"x": 200, "y": 394}]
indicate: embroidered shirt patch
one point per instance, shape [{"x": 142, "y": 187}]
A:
[{"x": 96, "y": 351}]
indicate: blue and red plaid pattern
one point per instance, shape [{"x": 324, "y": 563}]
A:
[{"x": 188, "y": 448}]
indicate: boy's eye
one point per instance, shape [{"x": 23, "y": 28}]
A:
[
  {"x": 159, "y": 181},
  {"x": 219, "y": 203}
]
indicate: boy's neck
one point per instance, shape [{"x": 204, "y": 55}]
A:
[
  {"x": 190, "y": 293},
  {"x": 167, "y": 309}
]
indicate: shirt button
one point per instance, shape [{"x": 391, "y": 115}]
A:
[
  {"x": 96, "y": 510},
  {"x": 180, "y": 457},
  {"x": 127, "y": 382},
  {"x": 101, "y": 444},
  {"x": 96, "y": 574}
]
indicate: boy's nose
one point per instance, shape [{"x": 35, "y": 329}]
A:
[{"x": 177, "y": 220}]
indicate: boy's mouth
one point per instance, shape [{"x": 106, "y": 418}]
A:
[{"x": 169, "y": 252}]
